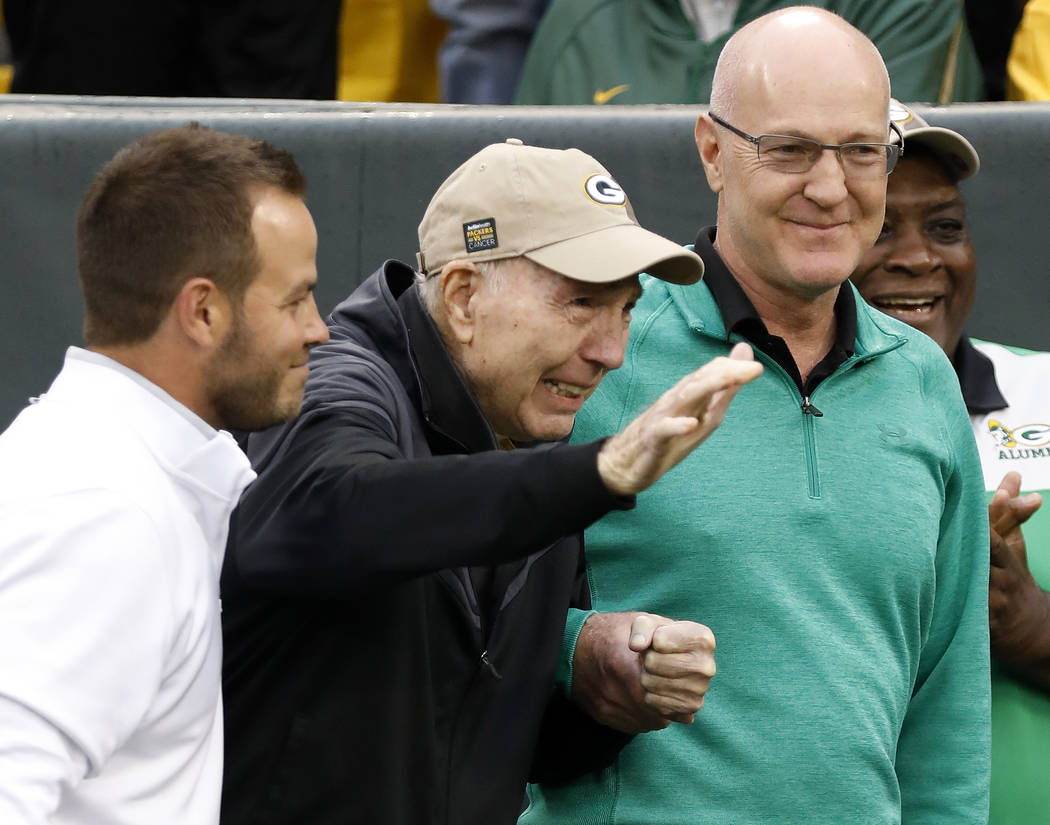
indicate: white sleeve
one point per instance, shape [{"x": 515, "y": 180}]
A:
[
  {"x": 85, "y": 606},
  {"x": 36, "y": 763}
]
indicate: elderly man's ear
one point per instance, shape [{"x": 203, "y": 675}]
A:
[
  {"x": 710, "y": 156},
  {"x": 460, "y": 284}
]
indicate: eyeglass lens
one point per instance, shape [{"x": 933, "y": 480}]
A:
[{"x": 795, "y": 154}]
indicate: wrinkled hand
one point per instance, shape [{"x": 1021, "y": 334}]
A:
[
  {"x": 675, "y": 424},
  {"x": 1018, "y": 610},
  {"x": 638, "y": 672}
]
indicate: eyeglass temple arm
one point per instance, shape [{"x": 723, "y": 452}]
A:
[{"x": 900, "y": 135}]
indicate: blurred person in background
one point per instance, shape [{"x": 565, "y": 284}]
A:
[
  {"x": 1028, "y": 65},
  {"x": 306, "y": 49},
  {"x": 482, "y": 55},
  {"x": 665, "y": 51}
]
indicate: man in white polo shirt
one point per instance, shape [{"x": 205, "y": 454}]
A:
[{"x": 196, "y": 258}]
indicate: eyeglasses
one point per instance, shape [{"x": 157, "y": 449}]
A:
[{"x": 794, "y": 155}]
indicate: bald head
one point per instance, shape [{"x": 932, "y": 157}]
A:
[
  {"x": 781, "y": 55},
  {"x": 791, "y": 236}
]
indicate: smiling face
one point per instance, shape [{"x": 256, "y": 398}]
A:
[
  {"x": 256, "y": 378},
  {"x": 792, "y": 237},
  {"x": 538, "y": 344},
  {"x": 922, "y": 269}
]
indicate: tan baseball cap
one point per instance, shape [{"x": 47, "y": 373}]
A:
[
  {"x": 559, "y": 208},
  {"x": 950, "y": 146}
]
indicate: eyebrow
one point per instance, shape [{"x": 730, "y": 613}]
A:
[
  {"x": 948, "y": 204},
  {"x": 958, "y": 199},
  {"x": 306, "y": 285},
  {"x": 855, "y": 137},
  {"x": 613, "y": 286}
]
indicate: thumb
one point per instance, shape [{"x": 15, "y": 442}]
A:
[
  {"x": 642, "y": 628},
  {"x": 742, "y": 352}
]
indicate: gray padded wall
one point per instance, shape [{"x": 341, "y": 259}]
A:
[{"x": 372, "y": 169}]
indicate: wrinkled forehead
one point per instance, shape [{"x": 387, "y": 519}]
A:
[
  {"x": 924, "y": 162},
  {"x": 856, "y": 114},
  {"x": 923, "y": 179},
  {"x": 530, "y": 275}
]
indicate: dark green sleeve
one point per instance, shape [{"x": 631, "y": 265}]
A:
[
  {"x": 927, "y": 48},
  {"x": 583, "y": 47},
  {"x": 542, "y": 69}
]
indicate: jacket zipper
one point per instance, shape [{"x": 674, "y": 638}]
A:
[
  {"x": 809, "y": 412},
  {"x": 486, "y": 663},
  {"x": 809, "y": 440},
  {"x": 481, "y": 608},
  {"x": 809, "y": 415}
]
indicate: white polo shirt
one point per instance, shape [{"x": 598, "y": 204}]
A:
[
  {"x": 114, "y": 508},
  {"x": 1017, "y": 437}
]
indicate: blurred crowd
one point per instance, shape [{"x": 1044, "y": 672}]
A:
[{"x": 490, "y": 51}]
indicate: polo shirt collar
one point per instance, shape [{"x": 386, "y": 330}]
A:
[
  {"x": 737, "y": 309},
  {"x": 976, "y": 374},
  {"x": 186, "y": 445},
  {"x": 741, "y": 317}
]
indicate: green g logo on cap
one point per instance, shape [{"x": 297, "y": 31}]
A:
[
  {"x": 604, "y": 190},
  {"x": 899, "y": 113}
]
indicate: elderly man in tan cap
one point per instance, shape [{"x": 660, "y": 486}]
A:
[{"x": 397, "y": 580}]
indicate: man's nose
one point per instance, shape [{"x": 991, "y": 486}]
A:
[
  {"x": 607, "y": 341},
  {"x": 911, "y": 253},
  {"x": 826, "y": 180},
  {"x": 316, "y": 330}
]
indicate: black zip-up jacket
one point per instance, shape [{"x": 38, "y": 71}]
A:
[{"x": 395, "y": 590}]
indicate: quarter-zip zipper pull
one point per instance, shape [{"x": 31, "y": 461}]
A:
[
  {"x": 487, "y": 664},
  {"x": 809, "y": 409}
]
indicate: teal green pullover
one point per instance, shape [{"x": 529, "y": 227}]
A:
[
  {"x": 842, "y": 563},
  {"x": 646, "y": 51}
]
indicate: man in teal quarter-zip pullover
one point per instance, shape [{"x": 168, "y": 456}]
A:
[{"x": 840, "y": 549}]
